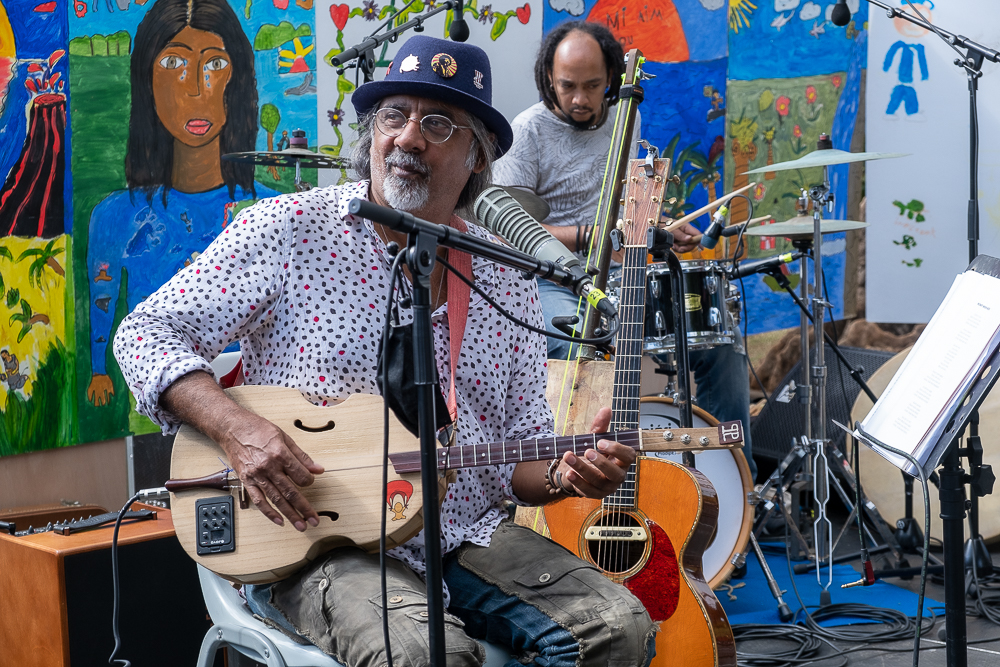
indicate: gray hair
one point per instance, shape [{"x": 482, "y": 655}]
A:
[{"x": 482, "y": 150}]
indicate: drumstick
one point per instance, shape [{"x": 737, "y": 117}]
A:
[
  {"x": 697, "y": 237},
  {"x": 704, "y": 209}
]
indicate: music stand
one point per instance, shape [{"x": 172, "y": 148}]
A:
[{"x": 948, "y": 453}]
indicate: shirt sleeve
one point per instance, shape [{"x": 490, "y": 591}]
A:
[
  {"x": 519, "y": 166},
  {"x": 193, "y": 317}
]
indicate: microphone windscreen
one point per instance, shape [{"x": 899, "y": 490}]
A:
[{"x": 841, "y": 14}]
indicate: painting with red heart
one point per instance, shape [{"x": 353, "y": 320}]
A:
[
  {"x": 339, "y": 14},
  {"x": 524, "y": 13}
]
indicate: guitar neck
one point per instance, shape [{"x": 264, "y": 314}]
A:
[{"x": 724, "y": 436}]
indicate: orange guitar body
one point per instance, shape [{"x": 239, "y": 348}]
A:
[{"x": 679, "y": 509}]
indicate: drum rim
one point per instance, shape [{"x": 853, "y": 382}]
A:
[
  {"x": 723, "y": 575},
  {"x": 686, "y": 266}
]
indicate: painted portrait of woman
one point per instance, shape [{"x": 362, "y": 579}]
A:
[{"x": 193, "y": 99}]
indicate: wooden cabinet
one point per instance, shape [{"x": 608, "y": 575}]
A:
[{"x": 56, "y": 598}]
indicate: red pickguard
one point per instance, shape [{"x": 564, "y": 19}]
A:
[{"x": 658, "y": 584}]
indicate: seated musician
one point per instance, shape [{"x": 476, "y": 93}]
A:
[
  {"x": 303, "y": 285},
  {"x": 578, "y": 74}
]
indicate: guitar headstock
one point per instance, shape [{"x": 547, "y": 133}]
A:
[{"x": 644, "y": 189}]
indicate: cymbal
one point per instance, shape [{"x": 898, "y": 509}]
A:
[
  {"x": 288, "y": 158},
  {"x": 802, "y": 226},
  {"x": 824, "y": 158},
  {"x": 536, "y": 207}
]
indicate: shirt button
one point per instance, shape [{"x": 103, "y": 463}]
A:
[
  {"x": 324, "y": 584},
  {"x": 396, "y": 599},
  {"x": 544, "y": 578},
  {"x": 424, "y": 614}
]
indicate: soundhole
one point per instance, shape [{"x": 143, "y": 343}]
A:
[
  {"x": 313, "y": 429},
  {"x": 333, "y": 516},
  {"x": 616, "y": 556}
]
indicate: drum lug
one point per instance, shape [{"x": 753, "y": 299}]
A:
[
  {"x": 711, "y": 284},
  {"x": 654, "y": 287},
  {"x": 661, "y": 325},
  {"x": 714, "y": 317}
]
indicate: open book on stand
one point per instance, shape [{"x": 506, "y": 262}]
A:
[{"x": 929, "y": 397}]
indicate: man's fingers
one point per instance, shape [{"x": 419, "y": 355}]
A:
[
  {"x": 602, "y": 421},
  {"x": 277, "y": 497},
  {"x": 260, "y": 502},
  {"x": 304, "y": 460}
]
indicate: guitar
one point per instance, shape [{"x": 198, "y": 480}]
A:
[
  {"x": 650, "y": 535},
  {"x": 239, "y": 543}
]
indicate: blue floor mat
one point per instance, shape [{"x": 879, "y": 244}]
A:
[{"x": 755, "y": 604}]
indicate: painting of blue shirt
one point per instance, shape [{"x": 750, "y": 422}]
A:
[{"x": 148, "y": 242}]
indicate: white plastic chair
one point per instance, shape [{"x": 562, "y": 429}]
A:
[{"x": 234, "y": 625}]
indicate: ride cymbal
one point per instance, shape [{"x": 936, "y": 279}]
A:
[
  {"x": 288, "y": 158},
  {"x": 824, "y": 158}
]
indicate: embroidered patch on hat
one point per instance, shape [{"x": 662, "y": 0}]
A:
[
  {"x": 410, "y": 64},
  {"x": 477, "y": 80},
  {"x": 389, "y": 69},
  {"x": 444, "y": 65}
]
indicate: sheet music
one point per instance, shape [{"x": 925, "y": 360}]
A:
[{"x": 913, "y": 411}]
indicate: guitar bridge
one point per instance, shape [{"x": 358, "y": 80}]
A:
[{"x": 616, "y": 534}]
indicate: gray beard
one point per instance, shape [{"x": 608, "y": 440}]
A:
[{"x": 402, "y": 194}]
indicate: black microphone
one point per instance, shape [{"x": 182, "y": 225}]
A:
[
  {"x": 764, "y": 265},
  {"x": 841, "y": 14},
  {"x": 711, "y": 236},
  {"x": 500, "y": 213},
  {"x": 459, "y": 30}
]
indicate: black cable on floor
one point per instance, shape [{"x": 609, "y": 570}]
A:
[{"x": 802, "y": 646}]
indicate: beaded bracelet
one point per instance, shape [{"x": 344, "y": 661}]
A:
[{"x": 550, "y": 485}]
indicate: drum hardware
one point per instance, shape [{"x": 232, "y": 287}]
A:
[
  {"x": 296, "y": 155},
  {"x": 810, "y": 452}
]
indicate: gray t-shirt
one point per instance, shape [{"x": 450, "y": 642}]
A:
[{"x": 561, "y": 164}]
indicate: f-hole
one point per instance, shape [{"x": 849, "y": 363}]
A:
[
  {"x": 314, "y": 429},
  {"x": 332, "y": 515}
]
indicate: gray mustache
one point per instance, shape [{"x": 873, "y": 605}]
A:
[{"x": 400, "y": 158}]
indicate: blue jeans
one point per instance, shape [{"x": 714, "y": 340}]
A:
[
  {"x": 720, "y": 373},
  {"x": 906, "y": 96}
]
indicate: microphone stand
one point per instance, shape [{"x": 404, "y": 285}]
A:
[
  {"x": 953, "y": 477},
  {"x": 423, "y": 239},
  {"x": 365, "y": 49}
]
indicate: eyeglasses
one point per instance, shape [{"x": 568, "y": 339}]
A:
[{"x": 435, "y": 128}]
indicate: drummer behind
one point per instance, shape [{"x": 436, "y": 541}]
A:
[{"x": 560, "y": 152}]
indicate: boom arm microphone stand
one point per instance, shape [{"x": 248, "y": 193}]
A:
[
  {"x": 364, "y": 51},
  {"x": 423, "y": 239}
]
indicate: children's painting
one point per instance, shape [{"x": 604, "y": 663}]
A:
[
  {"x": 793, "y": 76},
  {"x": 37, "y": 408},
  {"x": 918, "y": 103}
]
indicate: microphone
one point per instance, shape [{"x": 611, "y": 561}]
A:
[
  {"x": 500, "y": 213},
  {"x": 711, "y": 236},
  {"x": 841, "y": 14},
  {"x": 764, "y": 265},
  {"x": 459, "y": 30}
]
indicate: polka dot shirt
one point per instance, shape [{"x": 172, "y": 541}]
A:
[{"x": 302, "y": 284}]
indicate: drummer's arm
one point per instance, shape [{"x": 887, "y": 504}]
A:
[{"x": 684, "y": 238}]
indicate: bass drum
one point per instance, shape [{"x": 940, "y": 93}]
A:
[
  {"x": 729, "y": 473},
  {"x": 883, "y": 482}
]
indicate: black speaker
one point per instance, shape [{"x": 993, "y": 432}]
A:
[
  {"x": 783, "y": 417},
  {"x": 149, "y": 460}
]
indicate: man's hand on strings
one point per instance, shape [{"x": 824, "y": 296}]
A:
[{"x": 599, "y": 471}]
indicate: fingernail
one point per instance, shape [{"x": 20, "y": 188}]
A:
[
  {"x": 299, "y": 526},
  {"x": 591, "y": 455},
  {"x": 279, "y": 521},
  {"x": 313, "y": 521},
  {"x": 603, "y": 444},
  {"x": 570, "y": 458}
]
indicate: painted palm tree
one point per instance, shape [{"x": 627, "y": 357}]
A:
[
  {"x": 741, "y": 134},
  {"x": 27, "y": 319},
  {"x": 43, "y": 257},
  {"x": 678, "y": 191},
  {"x": 769, "y": 138}
]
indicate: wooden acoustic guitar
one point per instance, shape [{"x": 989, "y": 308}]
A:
[
  {"x": 651, "y": 533},
  {"x": 236, "y": 541}
]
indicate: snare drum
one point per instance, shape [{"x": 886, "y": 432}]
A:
[
  {"x": 707, "y": 301},
  {"x": 728, "y": 472}
]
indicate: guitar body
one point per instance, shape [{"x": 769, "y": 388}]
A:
[
  {"x": 679, "y": 509},
  {"x": 347, "y": 440}
]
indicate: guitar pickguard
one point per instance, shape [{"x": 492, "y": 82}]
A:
[{"x": 658, "y": 584}]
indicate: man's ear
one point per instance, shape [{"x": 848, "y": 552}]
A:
[{"x": 482, "y": 160}]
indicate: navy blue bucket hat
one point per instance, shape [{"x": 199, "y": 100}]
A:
[{"x": 452, "y": 72}]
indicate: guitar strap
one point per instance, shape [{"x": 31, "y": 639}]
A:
[{"x": 458, "y": 310}]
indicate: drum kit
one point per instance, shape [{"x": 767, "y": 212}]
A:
[{"x": 297, "y": 155}]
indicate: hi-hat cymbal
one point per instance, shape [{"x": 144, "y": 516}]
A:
[
  {"x": 536, "y": 207},
  {"x": 824, "y": 158},
  {"x": 288, "y": 158},
  {"x": 802, "y": 227}
]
